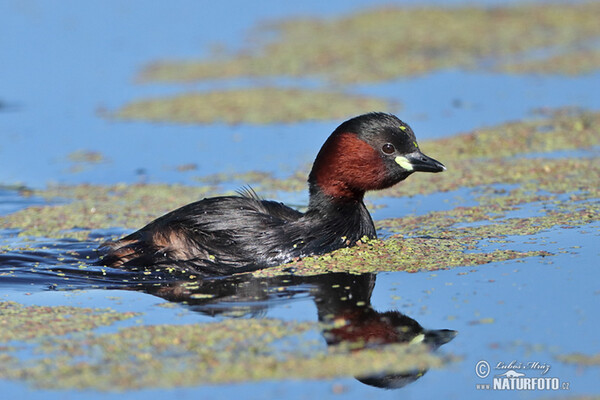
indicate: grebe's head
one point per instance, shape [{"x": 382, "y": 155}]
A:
[{"x": 369, "y": 152}]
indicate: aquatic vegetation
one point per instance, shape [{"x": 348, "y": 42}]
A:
[
  {"x": 570, "y": 62},
  {"x": 581, "y": 360},
  {"x": 82, "y": 159},
  {"x": 86, "y": 156},
  {"x": 432, "y": 242},
  {"x": 253, "y": 106},
  {"x": 399, "y": 254},
  {"x": 372, "y": 45},
  {"x": 96, "y": 207},
  {"x": 233, "y": 350},
  {"x": 344, "y": 49},
  {"x": 20, "y": 323}
]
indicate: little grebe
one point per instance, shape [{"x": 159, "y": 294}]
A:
[{"x": 228, "y": 234}]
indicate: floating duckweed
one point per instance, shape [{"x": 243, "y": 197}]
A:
[
  {"x": 253, "y": 106},
  {"x": 86, "y": 156},
  {"x": 25, "y": 323},
  {"x": 399, "y": 254},
  {"x": 127, "y": 206},
  {"x": 570, "y": 62},
  {"x": 235, "y": 350},
  {"x": 463, "y": 37},
  {"x": 581, "y": 360}
]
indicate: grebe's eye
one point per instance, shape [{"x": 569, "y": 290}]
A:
[{"x": 388, "y": 148}]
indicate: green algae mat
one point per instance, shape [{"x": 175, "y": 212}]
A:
[
  {"x": 251, "y": 106},
  {"x": 369, "y": 46},
  {"x": 70, "y": 353},
  {"x": 392, "y": 42},
  {"x": 518, "y": 154}
]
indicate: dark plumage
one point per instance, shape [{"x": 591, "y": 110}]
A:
[{"x": 224, "y": 235}]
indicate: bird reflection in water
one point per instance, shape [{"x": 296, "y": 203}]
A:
[
  {"x": 343, "y": 303},
  {"x": 343, "y": 300}
]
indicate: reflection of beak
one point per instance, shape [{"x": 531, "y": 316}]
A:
[
  {"x": 417, "y": 161},
  {"x": 439, "y": 337}
]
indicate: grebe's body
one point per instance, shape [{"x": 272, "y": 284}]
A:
[{"x": 224, "y": 235}]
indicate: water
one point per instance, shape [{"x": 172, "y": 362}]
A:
[{"x": 70, "y": 60}]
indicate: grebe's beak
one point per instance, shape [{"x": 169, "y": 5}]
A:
[{"x": 417, "y": 161}]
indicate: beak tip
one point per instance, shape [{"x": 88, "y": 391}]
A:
[{"x": 418, "y": 161}]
